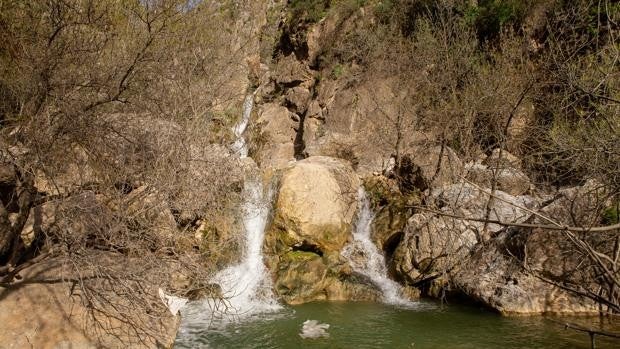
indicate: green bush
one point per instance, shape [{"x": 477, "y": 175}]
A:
[{"x": 308, "y": 10}]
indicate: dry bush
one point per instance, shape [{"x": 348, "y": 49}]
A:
[{"x": 111, "y": 126}]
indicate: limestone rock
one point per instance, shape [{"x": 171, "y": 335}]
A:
[
  {"x": 429, "y": 159},
  {"x": 274, "y": 146},
  {"x": 505, "y": 161},
  {"x": 291, "y": 71},
  {"x": 435, "y": 244},
  {"x": 45, "y": 311},
  {"x": 298, "y": 97},
  {"x": 305, "y": 276},
  {"x": 510, "y": 180},
  {"x": 313, "y": 218},
  {"x": 316, "y": 204},
  {"x": 392, "y": 210},
  {"x": 495, "y": 278},
  {"x": 432, "y": 245}
]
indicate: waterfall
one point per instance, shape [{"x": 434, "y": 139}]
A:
[
  {"x": 240, "y": 146},
  {"x": 246, "y": 287},
  {"x": 365, "y": 257}
]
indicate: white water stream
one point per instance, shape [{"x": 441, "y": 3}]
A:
[
  {"x": 365, "y": 257},
  {"x": 246, "y": 287}
]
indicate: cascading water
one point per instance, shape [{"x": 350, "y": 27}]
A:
[
  {"x": 246, "y": 287},
  {"x": 240, "y": 146},
  {"x": 365, "y": 257}
]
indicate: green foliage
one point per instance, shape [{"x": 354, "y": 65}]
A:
[
  {"x": 490, "y": 16},
  {"x": 313, "y": 11},
  {"x": 611, "y": 215},
  {"x": 338, "y": 71},
  {"x": 384, "y": 9},
  {"x": 299, "y": 256},
  {"x": 308, "y": 10}
]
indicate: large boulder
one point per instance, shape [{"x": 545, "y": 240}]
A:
[
  {"x": 494, "y": 275},
  {"x": 313, "y": 221},
  {"x": 435, "y": 243},
  {"x": 315, "y": 205}
]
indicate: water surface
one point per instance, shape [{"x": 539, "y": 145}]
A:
[{"x": 372, "y": 325}]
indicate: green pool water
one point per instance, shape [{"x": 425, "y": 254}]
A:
[{"x": 371, "y": 325}]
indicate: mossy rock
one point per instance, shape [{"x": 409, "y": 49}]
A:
[{"x": 298, "y": 256}]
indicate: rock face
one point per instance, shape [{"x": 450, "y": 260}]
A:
[
  {"x": 495, "y": 277},
  {"x": 274, "y": 146},
  {"x": 306, "y": 276},
  {"x": 505, "y": 170},
  {"x": 438, "y": 165},
  {"x": 313, "y": 220},
  {"x": 435, "y": 244},
  {"x": 47, "y": 312}
]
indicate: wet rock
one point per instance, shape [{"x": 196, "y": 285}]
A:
[{"x": 305, "y": 276}]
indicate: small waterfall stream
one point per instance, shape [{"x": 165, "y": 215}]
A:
[
  {"x": 365, "y": 257},
  {"x": 246, "y": 287}
]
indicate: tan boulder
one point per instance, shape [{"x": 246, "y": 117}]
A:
[
  {"x": 494, "y": 276},
  {"x": 313, "y": 221},
  {"x": 45, "y": 311},
  {"x": 316, "y": 204}
]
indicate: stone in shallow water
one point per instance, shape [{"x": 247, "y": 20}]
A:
[{"x": 312, "y": 329}]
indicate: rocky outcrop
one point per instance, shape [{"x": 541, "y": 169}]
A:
[
  {"x": 306, "y": 276},
  {"x": 273, "y": 145},
  {"x": 46, "y": 310},
  {"x": 435, "y": 244},
  {"x": 494, "y": 276},
  {"x": 313, "y": 218},
  {"x": 504, "y": 169},
  {"x": 392, "y": 210},
  {"x": 424, "y": 167}
]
